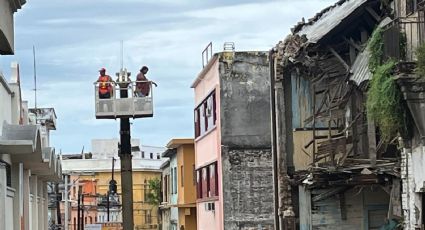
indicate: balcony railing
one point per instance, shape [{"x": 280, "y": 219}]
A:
[{"x": 403, "y": 36}]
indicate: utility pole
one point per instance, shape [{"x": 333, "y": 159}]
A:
[
  {"x": 79, "y": 211},
  {"x": 126, "y": 169},
  {"x": 58, "y": 209},
  {"x": 82, "y": 212},
  {"x": 66, "y": 203}
]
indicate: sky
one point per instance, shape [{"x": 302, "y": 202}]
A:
[{"x": 73, "y": 39}]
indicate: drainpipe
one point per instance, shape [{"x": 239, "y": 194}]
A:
[{"x": 274, "y": 147}]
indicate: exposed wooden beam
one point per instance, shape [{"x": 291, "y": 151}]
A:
[
  {"x": 373, "y": 13},
  {"x": 372, "y": 140},
  {"x": 352, "y": 43},
  {"x": 342, "y": 205},
  {"x": 347, "y": 67},
  {"x": 329, "y": 193}
]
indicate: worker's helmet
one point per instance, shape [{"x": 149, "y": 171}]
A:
[{"x": 102, "y": 70}]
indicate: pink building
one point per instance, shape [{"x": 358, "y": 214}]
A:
[{"x": 232, "y": 142}]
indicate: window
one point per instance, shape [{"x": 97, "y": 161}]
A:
[
  {"x": 412, "y": 6},
  {"x": 158, "y": 156},
  {"x": 165, "y": 188},
  {"x": 151, "y": 155},
  {"x": 143, "y": 154},
  {"x": 205, "y": 115},
  {"x": 8, "y": 173},
  {"x": 145, "y": 191},
  {"x": 207, "y": 181},
  {"x": 175, "y": 180},
  {"x": 194, "y": 174},
  {"x": 182, "y": 175}
]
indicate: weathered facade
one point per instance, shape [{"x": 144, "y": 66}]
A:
[
  {"x": 334, "y": 169},
  {"x": 232, "y": 145}
]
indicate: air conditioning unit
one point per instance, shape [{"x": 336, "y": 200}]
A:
[{"x": 210, "y": 206}]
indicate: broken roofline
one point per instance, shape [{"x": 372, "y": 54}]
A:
[{"x": 324, "y": 24}]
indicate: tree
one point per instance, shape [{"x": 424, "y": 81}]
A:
[{"x": 153, "y": 197}]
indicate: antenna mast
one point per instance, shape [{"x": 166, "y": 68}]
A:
[
  {"x": 35, "y": 81},
  {"x": 122, "y": 54}
]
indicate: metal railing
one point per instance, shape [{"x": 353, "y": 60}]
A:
[
  {"x": 135, "y": 105},
  {"x": 403, "y": 36},
  {"x": 206, "y": 54}
]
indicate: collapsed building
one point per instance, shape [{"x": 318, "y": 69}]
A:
[{"x": 334, "y": 167}]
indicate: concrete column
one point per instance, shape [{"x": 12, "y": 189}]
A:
[
  {"x": 25, "y": 222},
  {"x": 40, "y": 199},
  {"x": 34, "y": 208},
  {"x": 17, "y": 184},
  {"x": 3, "y": 189},
  {"x": 46, "y": 207}
]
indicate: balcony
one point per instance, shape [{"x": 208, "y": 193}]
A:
[
  {"x": 132, "y": 107},
  {"x": 401, "y": 40}
]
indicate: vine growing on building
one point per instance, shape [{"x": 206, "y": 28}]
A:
[
  {"x": 420, "y": 55},
  {"x": 384, "y": 99}
]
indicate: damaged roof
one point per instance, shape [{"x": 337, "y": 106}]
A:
[
  {"x": 326, "y": 20},
  {"x": 360, "y": 69}
]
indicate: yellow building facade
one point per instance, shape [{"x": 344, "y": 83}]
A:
[
  {"x": 182, "y": 158},
  {"x": 145, "y": 214}
]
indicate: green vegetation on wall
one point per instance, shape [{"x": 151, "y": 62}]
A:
[
  {"x": 384, "y": 99},
  {"x": 376, "y": 49},
  {"x": 420, "y": 55}
]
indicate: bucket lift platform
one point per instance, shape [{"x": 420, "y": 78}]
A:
[{"x": 132, "y": 107}]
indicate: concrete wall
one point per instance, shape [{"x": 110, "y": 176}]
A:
[
  {"x": 5, "y": 102},
  {"x": 248, "y": 191},
  {"x": 6, "y": 28},
  {"x": 245, "y": 100},
  {"x": 246, "y": 164}
]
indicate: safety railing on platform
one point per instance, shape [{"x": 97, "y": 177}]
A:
[{"x": 139, "y": 102}]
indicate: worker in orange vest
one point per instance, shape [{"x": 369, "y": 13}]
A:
[{"x": 105, "y": 84}]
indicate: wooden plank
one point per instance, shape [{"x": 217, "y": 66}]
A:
[
  {"x": 371, "y": 140},
  {"x": 305, "y": 207},
  {"x": 340, "y": 59},
  {"x": 342, "y": 206},
  {"x": 327, "y": 194},
  {"x": 352, "y": 43},
  {"x": 373, "y": 13}
]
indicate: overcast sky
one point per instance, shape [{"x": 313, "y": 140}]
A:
[{"x": 75, "y": 38}]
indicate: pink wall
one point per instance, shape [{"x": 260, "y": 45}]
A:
[{"x": 208, "y": 148}]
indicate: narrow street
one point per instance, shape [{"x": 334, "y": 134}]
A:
[{"x": 212, "y": 115}]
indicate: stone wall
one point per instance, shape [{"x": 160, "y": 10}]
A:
[{"x": 248, "y": 188}]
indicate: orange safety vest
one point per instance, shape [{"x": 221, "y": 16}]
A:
[{"x": 104, "y": 85}]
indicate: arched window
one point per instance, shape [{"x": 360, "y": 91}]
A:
[
  {"x": 75, "y": 223},
  {"x": 85, "y": 220},
  {"x": 91, "y": 219}
]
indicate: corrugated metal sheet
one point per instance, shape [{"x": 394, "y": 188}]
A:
[
  {"x": 360, "y": 69},
  {"x": 329, "y": 20}
]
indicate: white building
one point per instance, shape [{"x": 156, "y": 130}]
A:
[
  {"x": 108, "y": 148},
  {"x": 27, "y": 162}
]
